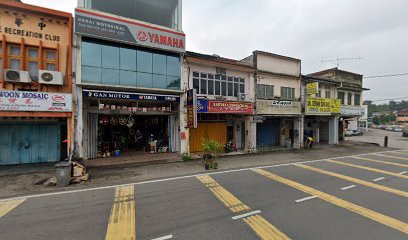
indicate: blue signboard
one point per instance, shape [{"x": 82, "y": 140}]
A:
[
  {"x": 130, "y": 96},
  {"x": 202, "y": 105}
]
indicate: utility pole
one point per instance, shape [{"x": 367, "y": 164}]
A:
[{"x": 339, "y": 61}]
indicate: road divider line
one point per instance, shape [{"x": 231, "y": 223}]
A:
[
  {"x": 348, "y": 187},
  {"x": 368, "y": 169},
  {"x": 256, "y": 222},
  {"x": 379, "y": 179},
  {"x": 365, "y": 212},
  {"x": 400, "y": 158},
  {"x": 305, "y": 199},
  {"x": 165, "y": 237},
  {"x": 382, "y": 162},
  {"x": 246, "y": 215},
  {"x": 401, "y": 153},
  {"x": 122, "y": 222},
  {"x": 8, "y": 206},
  {"x": 402, "y": 173},
  {"x": 355, "y": 180}
]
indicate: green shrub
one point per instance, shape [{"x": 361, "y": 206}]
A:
[{"x": 186, "y": 157}]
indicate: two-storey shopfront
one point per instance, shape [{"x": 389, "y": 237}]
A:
[{"x": 128, "y": 83}]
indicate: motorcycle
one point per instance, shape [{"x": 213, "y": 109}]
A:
[{"x": 230, "y": 146}]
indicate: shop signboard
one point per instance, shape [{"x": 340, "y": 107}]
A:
[
  {"x": 130, "y": 96},
  {"x": 35, "y": 101},
  {"x": 323, "y": 106},
  {"x": 352, "y": 111},
  {"x": 258, "y": 119},
  {"x": 191, "y": 108},
  {"x": 312, "y": 88},
  {"x": 230, "y": 107},
  {"x": 277, "y": 107},
  {"x": 98, "y": 24},
  {"x": 202, "y": 106}
]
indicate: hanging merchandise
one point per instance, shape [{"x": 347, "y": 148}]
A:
[
  {"x": 155, "y": 121},
  {"x": 138, "y": 136},
  {"x": 114, "y": 121},
  {"x": 122, "y": 120},
  {"x": 104, "y": 121},
  {"x": 131, "y": 120},
  {"x": 101, "y": 106}
]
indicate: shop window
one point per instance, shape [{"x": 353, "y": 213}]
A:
[
  {"x": 218, "y": 85},
  {"x": 196, "y": 84},
  {"x": 127, "y": 78},
  {"x": 50, "y": 59},
  {"x": 110, "y": 76},
  {"x": 328, "y": 94},
  {"x": 173, "y": 66},
  {"x": 287, "y": 93},
  {"x": 144, "y": 80},
  {"x": 340, "y": 96},
  {"x": 91, "y": 54},
  {"x": 265, "y": 91},
  {"x": 32, "y": 62},
  {"x": 159, "y": 64},
  {"x": 91, "y": 74},
  {"x": 14, "y": 61},
  {"x": 357, "y": 99},
  {"x": 110, "y": 57},
  {"x": 159, "y": 81},
  {"x": 144, "y": 62},
  {"x": 127, "y": 59},
  {"x": 349, "y": 97},
  {"x": 173, "y": 82}
]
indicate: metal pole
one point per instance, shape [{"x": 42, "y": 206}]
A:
[{"x": 386, "y": 141}]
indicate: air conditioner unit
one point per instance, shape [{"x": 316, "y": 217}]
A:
[
  {"x": 16, "y": 76},
  {"x": 242, "y": 96},
  {"x": 50, "y": 77}
]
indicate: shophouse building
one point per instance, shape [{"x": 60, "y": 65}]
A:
[
  {"x": 322, "y": 109},
  {"x": 278, "y": 119},
  {"x": 36, "y": 124},
  {"x": 128, "y": 77},
  {"x": 350, "y": 94},
  {"x": 225, "y": 100}
]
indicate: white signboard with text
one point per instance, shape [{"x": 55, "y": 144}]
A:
[
  {"x": 35, "y": 101},
  {"x": 277, "y": 107}
]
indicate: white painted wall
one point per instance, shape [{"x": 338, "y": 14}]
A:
[
  {"x": 276, "y": 64},
  {"x": 279, "y": 82}
]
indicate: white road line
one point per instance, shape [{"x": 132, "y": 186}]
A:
[
  {"x": 402, "y": 173},
  {"x": 379, "y": 179},
  {"x": 305, "y": 199},
  {"x": 246, "y": 215},
  {"x": 164, "y": 238},
  {"x": 182, "y": 177},
  {"x": 348, "y": 187}
]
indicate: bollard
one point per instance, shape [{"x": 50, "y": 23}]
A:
[{"x": 386, "y": 141}]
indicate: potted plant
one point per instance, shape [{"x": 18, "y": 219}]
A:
[{"x": 212, "y": 150}]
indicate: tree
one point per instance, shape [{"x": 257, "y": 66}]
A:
[
  {"x": 376, "y": 120},
  {"x": 391, "y": 118}
]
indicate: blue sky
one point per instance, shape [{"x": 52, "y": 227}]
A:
[{"x": 312, "y": 30}]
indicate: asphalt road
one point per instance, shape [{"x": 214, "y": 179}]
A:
[
  {"x": 395, "y": 139},
  {"x": 348, "y": 198}
]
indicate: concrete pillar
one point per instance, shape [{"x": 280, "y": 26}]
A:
[
  {"x": 298, "y": 132},
  {"x": 251, "y": 126},
  {"x": 316, "y": 132},
  {"x": 334, "y": 130}
]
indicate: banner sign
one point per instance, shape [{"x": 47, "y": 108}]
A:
[
  {"x": 129, "y": 96},
  {"x": 352, "y": 111},
  {"x": 191, "y": 108},
  {"x": 276, "y": 107},
  {"x": 312, "y": 88},
  {"x": 202, "y": 106},
  {"x": 322, "y": 106},
  {"x": 230, "y": 107},
  {"x": 35, "y": 101},
  {"x": 98, "y": 24}
]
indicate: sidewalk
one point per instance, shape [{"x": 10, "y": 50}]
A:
[{"x": 25, "y": 182}]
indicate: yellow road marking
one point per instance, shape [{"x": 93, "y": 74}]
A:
[
  {"x": 378, "y": 217},
  {"x": 401, "y": 158},
  {"x": 369, "y": 169},
  {"x": 383, "y": 162},
  {"x": 122, "y": 223},
  {"x": 355, "y": 180},
  {"x": 257, "y": 223},
  {"x": 401, "y": 153},
  {"x": 8, "y": 206}
]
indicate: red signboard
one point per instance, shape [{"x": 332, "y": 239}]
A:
[{"x": 230, "y": 107}]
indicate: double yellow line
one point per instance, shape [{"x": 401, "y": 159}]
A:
[
  {"x": 256, "y": 222},
  {"x": 378, "y": 217}
]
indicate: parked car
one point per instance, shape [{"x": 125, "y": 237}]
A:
[
  {"x": 358, "y": 133},
  {"x": 348, "y": 133},
  {"x": 397, "y": 129},
  {"x": 405, "y": 133}
]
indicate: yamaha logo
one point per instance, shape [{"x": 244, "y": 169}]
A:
[{"x": 142, "y": 36}]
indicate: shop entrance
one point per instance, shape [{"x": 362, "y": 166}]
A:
[{"x": 120, "y": 135}]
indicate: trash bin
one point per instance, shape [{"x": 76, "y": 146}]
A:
[{"x": 63, "y": 174}]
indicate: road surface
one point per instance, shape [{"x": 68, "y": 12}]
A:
[{"x": 360, "y": 197}]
